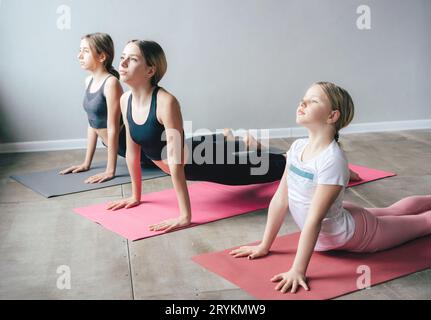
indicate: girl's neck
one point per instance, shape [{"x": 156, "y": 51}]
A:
[
  {"x": 320, "y": 138},
  {"x": 99, "y": 73},
  {"x": 142, "y": 92}
]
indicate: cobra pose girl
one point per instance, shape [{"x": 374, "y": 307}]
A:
[
  {"x": 312, "y": 189},
  {"x": 102, "y": 104}
]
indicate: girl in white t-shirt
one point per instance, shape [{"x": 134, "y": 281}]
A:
[{"x": 312, "y": 188}]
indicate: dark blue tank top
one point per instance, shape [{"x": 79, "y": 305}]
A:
[
  {"x": 148, "y": 135},
  {"x": 95, "y": 106}
]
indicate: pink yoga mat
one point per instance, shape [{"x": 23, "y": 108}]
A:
[
  {"x": 368, "y": 174},
  {"x": 329, "y": 275},
  {"x": 209, "y": 201}
]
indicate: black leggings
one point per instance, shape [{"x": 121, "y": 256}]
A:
[{"x": 238, "y": 171}]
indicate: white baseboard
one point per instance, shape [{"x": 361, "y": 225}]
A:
[
  {"x": 49, "y": 145},
  {"x": 56, "y": 145}
]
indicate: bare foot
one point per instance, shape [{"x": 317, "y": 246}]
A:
[
  {"x": 251, "y": 142},
  {"x": 228, "y": 134}
]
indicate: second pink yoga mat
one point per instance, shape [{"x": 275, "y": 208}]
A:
[
  {"x": 209, "y": 201},
  {"x": 330, "y": 274}
]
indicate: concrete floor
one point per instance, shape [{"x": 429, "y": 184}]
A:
[{"x": 38, "y": 235}]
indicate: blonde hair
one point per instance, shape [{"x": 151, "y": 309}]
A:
[
  {"x": 340, "y": 100},
  {"x": 102, "y": 43},
  {"x": 154, "y": 57}
]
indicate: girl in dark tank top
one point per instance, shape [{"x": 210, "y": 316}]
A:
[{"x": 102, "y": 105}]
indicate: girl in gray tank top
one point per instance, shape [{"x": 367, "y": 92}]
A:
[{"x": 102, "y": 105}]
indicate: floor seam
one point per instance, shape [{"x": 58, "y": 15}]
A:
[
  {"x": 128, "y": 257},
  {"x": 358, "y": 194},
  {"x": 130, "y": 270}
]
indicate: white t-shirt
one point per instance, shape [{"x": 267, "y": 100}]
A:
[{"x": 330, "y": 167}]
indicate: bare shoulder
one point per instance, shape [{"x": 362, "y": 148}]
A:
[
  {"x": 167, "y": 102},
  {"x": 112, "y": 81},
  {"x": 112, "y": 88},
  {"x": 112, "y": 84},
  {"x": 123, "y": 100}
]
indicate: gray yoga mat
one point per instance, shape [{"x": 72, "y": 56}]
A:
[{"x": 50, "y": 184}]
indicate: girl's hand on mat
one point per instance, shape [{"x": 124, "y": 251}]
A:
[
  {"x": 75, "y": 169},
  {"x": 291, "y": 279},
  {"x": 251, "y": 252},
  {"x": 124, "y": 203},
  {"x": 354, "y": 176},
  {"x": 101, "y": 177},
  {"x": 170, "y": 224}
]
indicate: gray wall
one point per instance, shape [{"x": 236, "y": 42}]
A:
[{"x": 236, "y": 63}]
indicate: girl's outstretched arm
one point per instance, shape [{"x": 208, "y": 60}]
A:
[
  {"x": 133, "y": 159},
  {"x": 276, "y": 213},
  {"x": 113, "y": 92},
  {"x": 173, "y": 122},
  {"x": 91, "y": 148},
  {"x": 323, "y": 198}
]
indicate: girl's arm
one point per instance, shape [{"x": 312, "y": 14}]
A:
[
  {"x": 91, "y": 147},
  {"x": 173, "y": 122},
  {"x": 323, "y": 198},
  {"x": 113, "y": 92},
  {"x": 133, "y": 159},
  {"x": 276, "y": 215}
]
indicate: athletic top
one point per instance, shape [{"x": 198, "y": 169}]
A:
[
  {"x": 149, "y": 135},
  {"x": 96, "y": 107},
  {"x": 329, "y": 167}
]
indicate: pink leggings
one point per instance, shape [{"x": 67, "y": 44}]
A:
[{"x": 383, "y": 228}]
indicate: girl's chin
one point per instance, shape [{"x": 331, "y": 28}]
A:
[
  {"x": 299, "y": 120},
  {"x": 86, "y": 68},
  {"x": 302, "y": 122}
]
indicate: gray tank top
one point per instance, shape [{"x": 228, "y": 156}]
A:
[{"x": 95, "y": 106}]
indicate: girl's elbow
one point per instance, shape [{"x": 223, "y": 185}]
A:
[
  {"x": 131, "y": 156},
  {"x": 282, "y": 204},
  {"x": 113, "y": 132}
]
